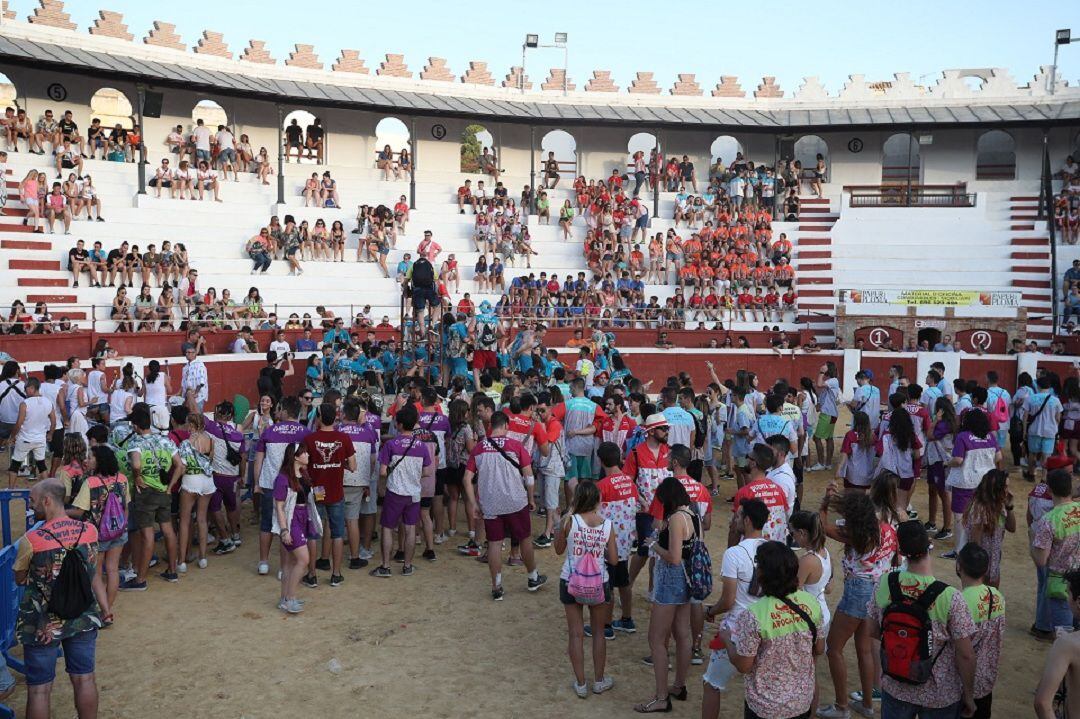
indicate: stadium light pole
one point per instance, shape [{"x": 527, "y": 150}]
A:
[
  {"x": 1061, "y": 37},
  {"x": 412, "y": 163},
  {"x": 532, "y": 41},
  {"x": 280, "y": 154},
  {"x": 140, "y": 90}
]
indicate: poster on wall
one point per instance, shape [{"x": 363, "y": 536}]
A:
[{"x": 947, "y": 298}]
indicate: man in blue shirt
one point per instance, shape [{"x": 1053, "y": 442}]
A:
[{"x": 306, "y": 343}]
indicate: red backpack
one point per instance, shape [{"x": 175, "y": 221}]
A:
[{"x": 907, "y": 638}]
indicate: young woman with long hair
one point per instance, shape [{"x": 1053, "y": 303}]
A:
[
  {"x": 293, "y": 517},
  {"x": 196, "y": 488},
  {"x": 869, "y": 550},
  {"x": 988, "y": 517},
  {"x": 899, "y": 450},
  {"x": 815, "y": 566},
  {"x": 938, "y": 453},
  {"x": 975, "y": 452},
  {"x": 670, "y": 614},
  {"x": 858, "y": 455},
  {"x": 459, "y": 446},
  {"x": 585, "y": 531},
  {"x": 103, "y": 477}
]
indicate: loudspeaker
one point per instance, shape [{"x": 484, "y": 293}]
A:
[{"x": 152, "y": 104}]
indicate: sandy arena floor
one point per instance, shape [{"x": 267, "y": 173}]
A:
[{"x": 432, "y": 645}]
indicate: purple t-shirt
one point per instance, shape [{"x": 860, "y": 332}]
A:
[
  {"x": 433, "y": 427},
  {"x": 978, "y": 455},
  {"x": 273, "y": 442},
  {"x": 281, "y": 490},
  {"x": 222, "y": 436},
  {"x": 404, "y": 475},
  {"x": 366, "y": 444}
]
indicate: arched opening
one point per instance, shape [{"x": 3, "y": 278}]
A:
[
  {"x": 305, "y": 137},
  {"x": 973, "y": 83},
  {"x": 564, "y": 148},
  {"x": 112, "y": 107},
  {"x": 900, "y": 161},
  {"x": 475, "y": 139},
  {"x": 8, "y": 94},
  {"x": 644, "y": 142},
  {"x": 995, "y": 156},
  {"x": 211, "y": 113},
  {"x": 724, "y": 149},
  {"x": 393, "y": 132},
  {"x": 807, "y": 148}
]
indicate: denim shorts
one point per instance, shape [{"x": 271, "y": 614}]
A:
[
  {"x": 858, "y": 593},
  {"x": 78, "y": 658},
  {"x": 332, "y": 515},
  {"x": 669, "y": 584},
  {"x": 1038, "y": 444},
  {"x": 120, "y": 541}
]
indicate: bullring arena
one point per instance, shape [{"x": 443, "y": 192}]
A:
[{"x": 899, "y": 223}]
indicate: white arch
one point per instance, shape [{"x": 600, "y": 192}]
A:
[
  {"x": 474, "y": 138},
  {"x": 995, "y": 156},
  {"x": 210, "y": 112},
  {"x": 392, "y": 131},
  {"x": 111, "y": 107},
  {"x": 900, "y": 160},
  {"x": 8, "y": 93},
  {"x": 563, "y": 144},
  {"x": 639, "y": 141},
  {"x": 725, "y": 148}
]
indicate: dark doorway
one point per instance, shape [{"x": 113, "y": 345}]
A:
[{"x": 931, "y": 336}]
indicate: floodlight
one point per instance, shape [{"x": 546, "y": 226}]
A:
[
  {"x": 560, "y": 38},
  {"x": 532, "y": 40},
  {"x": 1063, "y": 37}
]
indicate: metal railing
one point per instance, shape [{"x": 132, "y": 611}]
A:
[{"x": 910, "y": 195}]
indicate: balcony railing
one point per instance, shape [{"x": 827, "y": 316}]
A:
[{"x": 910, "y": 195}]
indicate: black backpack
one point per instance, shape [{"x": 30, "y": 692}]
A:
[
  {"x": 71, "y": 592},
  {"x": 423, "y": 274}
]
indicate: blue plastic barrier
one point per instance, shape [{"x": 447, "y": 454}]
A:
[{"x": 6, "y": 497}]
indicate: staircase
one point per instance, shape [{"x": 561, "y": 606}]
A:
[
  {"x": 1031, "y": 265},
  {"x": 814, "y": 267}
]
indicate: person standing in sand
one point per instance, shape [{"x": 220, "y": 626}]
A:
[{"x": 1060, "y": 680}]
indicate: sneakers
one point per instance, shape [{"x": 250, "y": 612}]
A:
[
  {"x": 833, "y": 712},
  {"x": 515, "y": 562},
  {"x": 951, "y": 554},
  {"x": 407, "y": 570},
  {"x": 399, "y": 556},
  {"x": 582, "y": 690},
  {"x": 357, "y": 563},
  {"x": 472, "y": 549},
  {"x": 202, "y": 563},
  {"x": 535, "y": 584},
  {"x": 543, "y": 542},
  {"x": 856, "y": 696},
  {"x": 225, "y": 546},
  {"x": 913, "y": 514},
  {"x": 602, "y": 685},
  {"x": 322, "y": 565},
  {"x": 380, "y": 572},
  {"x": 929, "y": 526},
  {"x": 182, "y": 567},
  {"x": 366, "y": 554},
  {"x": 126, "y": 574},
  {"x": 264, "y": 568},
  {"x": 859, "y": 709},
  {"x": 609, "y": 633},
  {"x": 647, "y": 661},
  {"x": 697, "y": 658},
  {"x": 440, "y": 538},
  {"x": 132, "y": 585},
  {"x": 237, "y": 539},
  {"x": 817, "y": 467},
  {"x": 624, "y": 625},
  {"x": 170, "y": 577},
  {"x": 497, "y": 594},
  {"x": 942, "y": 534},
  {"x": 336, "y": 580},
  {"x": 429, "y": 554},
  {"x": 310, "y": 580},
  {"x": 542, "y": 512},
  {"x": 293, "y": 606}
]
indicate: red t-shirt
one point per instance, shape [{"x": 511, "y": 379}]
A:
[
  {"x": 698, "y": 494},
  {"x": 774, "y": 498},
  {"x": 328, "y": 453}
]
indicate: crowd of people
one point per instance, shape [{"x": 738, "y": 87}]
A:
[
  {"x": 1067, "y": 203},
  {"x": 620, "y": 482}
]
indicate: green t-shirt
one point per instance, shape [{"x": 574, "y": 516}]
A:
[
  {"x": 913, "y": 585},
  {"x": 155, "y": 455}
]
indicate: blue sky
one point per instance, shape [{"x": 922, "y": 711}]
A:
[{"x": 827, "y": 38}]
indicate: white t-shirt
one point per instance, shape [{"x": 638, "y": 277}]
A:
[
  {"x": 36, "y": 424},
  {"x": 155, "y": 392},
  {"x": 224, "y": 139},
  {"x": 202, "y": 138},
  {"x": 12, "y": 393},
  {"x": 280, "y": 347},
  {"x": 118, "y": 404},
  {"x": 738, "y": 564},
  {"x": 784, "y": 477},
  {"x": 95, "y": 393},
  {"x": 50, "y": 391}
]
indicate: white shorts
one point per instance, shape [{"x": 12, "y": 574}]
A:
[
  {"x": 35, "y": 450},
  {"x": 198, "y": 484}
]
